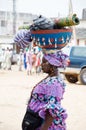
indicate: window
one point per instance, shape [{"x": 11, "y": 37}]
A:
[
  {"x": 3, "y": 23},
  {"x": 81, "y": 52}
]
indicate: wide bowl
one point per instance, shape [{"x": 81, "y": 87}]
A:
[{"x": 51, "y": 39}]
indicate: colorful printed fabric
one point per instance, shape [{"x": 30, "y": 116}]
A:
[
  {"x": 58, "y": 59},
  {"x": 47, "y": 95},
  {"x": 23, "y": 38}
]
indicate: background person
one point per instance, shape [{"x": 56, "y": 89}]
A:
[
  {"x": 24, "y": 58},
  {"x": 8, "y": 59},
  {"x": 20, "y": 60},
  {"x": 29, "y": 62}
]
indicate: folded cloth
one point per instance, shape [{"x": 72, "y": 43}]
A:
[{"x": 23, "y": 38}]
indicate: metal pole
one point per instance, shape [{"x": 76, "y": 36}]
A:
[
  {"x": 14, "y": 17},
  {"x": 14, "y": 21}
]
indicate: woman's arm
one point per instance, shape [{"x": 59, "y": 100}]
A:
[{"x": 47, "y": 122}]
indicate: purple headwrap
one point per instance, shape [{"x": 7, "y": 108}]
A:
[
  {"x": 58, "y": 59},
  {"x": 23, "y": 38}
]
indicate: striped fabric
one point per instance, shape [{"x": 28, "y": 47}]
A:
[{"x": 23, "y": 38}]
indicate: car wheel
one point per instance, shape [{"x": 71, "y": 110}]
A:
[
  {"x": 71, "y": 78},
  {"x": 82, "y": 76}
]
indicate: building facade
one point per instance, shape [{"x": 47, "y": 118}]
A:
[
  {"x": 6, "y": 21},
  {"x": 7, "y": 25}
]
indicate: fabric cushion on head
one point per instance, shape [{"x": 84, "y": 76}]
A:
[
  {"x": 23, "y": 38},
  {"x": 58, "y": 59}
]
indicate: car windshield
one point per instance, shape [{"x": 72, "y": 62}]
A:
[{"x": 78, "y": 51}]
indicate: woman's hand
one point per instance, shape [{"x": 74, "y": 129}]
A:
[{"x": 47, "y": 122}]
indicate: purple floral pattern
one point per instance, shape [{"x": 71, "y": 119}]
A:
[
  {"x": 58, "y": 59},
  {"x": 47, "y": 95}
]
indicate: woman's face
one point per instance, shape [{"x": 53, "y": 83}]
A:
[{"x": 45, "y": 65}]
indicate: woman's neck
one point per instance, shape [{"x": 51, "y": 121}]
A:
[{"x": 53, "y": 74}]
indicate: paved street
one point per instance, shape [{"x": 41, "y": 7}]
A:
[{"x": 15, "y": 88}]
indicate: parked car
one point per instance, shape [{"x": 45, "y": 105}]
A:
[{"x": 76, "y": 70}]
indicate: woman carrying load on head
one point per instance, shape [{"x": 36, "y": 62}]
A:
[{"x": 47, "y": 94}]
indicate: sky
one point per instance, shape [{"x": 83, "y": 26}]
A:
[{"x": 47, "y": 8}]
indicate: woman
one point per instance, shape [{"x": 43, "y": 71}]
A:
[
  {"x": 29, "y": 62},
  {"x": 47, "y": 95}
]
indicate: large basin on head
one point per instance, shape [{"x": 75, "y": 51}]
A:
[{"x": 52, "y": 39}]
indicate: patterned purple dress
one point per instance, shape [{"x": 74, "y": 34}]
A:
[{"x": 47, "y": 95}]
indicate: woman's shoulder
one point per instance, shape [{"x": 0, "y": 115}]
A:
[
  {"x": 44, "y": 85},
  {"x": 51, "y": 86}
]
